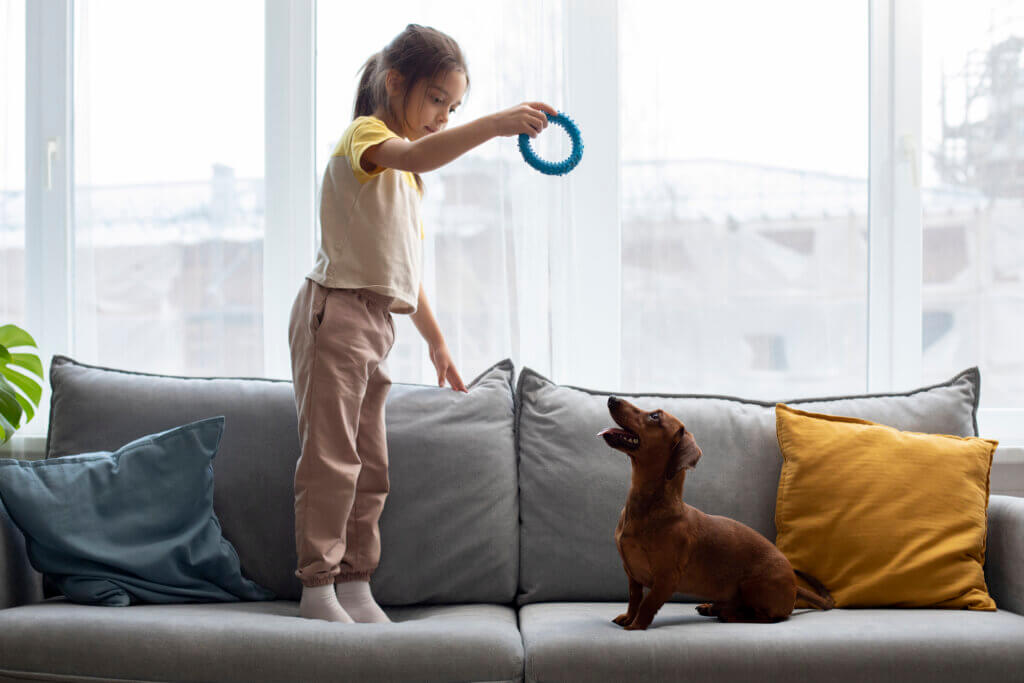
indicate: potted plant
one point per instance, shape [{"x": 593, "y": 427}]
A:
[{"x": 20, "y": 393}]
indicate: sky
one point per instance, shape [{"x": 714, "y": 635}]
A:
[{"x": 165, "y": 90}]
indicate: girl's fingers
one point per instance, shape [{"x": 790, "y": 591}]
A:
[
  {"x": 455, "y": 380},
  {"x": 538, "y": 116},
  {"x": 543, "y": 107},
  {"x": 535, "y": 122}
]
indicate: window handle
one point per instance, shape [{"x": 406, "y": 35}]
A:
[
  {"x": 909, "y": 148},
  {"x": 51, "y": 156}
]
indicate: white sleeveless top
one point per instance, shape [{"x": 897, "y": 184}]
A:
[{"x": 371, "y": 234}]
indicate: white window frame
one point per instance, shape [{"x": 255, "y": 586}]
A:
[
  {"x": 290, "y": 169},
  {"x": 49, "y": 192},
  {"x": 894, "y": 197}
]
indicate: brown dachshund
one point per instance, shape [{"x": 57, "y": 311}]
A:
[{"x": 671, "y": 547}]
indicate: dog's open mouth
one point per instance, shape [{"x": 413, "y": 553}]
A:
[{"x": 620, "y": 438}]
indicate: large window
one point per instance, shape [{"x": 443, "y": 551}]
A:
[
  {"x": 12, "y": 162},
  {"x": 771, "y": 197},
  {"x": 168, "y": 196},
  {"x": 744, "y": 144},
  {"x": 973, "y": 194}
]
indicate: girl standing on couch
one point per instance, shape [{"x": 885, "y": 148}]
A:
[{"x": 368, "y": 267}]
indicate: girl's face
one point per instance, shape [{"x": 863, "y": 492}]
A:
[{"x": 430, "y": 103}]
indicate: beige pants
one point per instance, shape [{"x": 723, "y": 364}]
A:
[{"x": 339, "y": 339}]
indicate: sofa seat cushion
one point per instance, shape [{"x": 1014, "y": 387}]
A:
[
  {"x": 257, "y": 641},
  {"x": 578, "y": 642}
]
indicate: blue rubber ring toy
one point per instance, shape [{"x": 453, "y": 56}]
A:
[{"x": 547, "y": 167}]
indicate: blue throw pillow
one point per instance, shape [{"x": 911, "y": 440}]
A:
[{"x": 135, "y": 525}]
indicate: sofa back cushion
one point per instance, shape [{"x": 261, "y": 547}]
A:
[
  {"x": 905, "y": 524},
  {"x": 449, "y": 530},
  {"x": 573, "y": 486},
  {"x": 129, "y": 526}
]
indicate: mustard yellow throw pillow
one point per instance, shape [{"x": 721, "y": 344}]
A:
[{"x": 884, "y": 518}]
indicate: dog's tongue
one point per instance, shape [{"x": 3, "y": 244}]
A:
[{"x": 610, "y": 430}]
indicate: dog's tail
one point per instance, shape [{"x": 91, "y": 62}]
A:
[{"x": 821, "y": 599}]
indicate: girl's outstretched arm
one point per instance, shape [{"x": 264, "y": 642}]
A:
[{"x": 434, "y": 151}]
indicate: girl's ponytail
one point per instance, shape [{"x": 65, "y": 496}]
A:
[{"x": 367, "y": 96}]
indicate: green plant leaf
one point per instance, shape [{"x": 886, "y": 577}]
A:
[
  {"x": 30, "y": 386},
  {"x": 10, "y": 409},
  {"x": 12, "y": 335},
  {"x": 20, "y": 393},
  {"x": 25, "y": 404},
  {"x": 29, "y": 361},
  {"x": 6, "y": 430}
]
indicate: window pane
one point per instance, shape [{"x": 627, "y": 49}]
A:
[
  {"x": 973, "y": 202},
  {"x": 12, "y": 162},
  {"x": 487, "y": 216},
  {"x": 744, "y": 196},
  {"x": 168, "y": 205}
]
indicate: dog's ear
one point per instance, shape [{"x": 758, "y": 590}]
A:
[{"x": 684, "y": 455}]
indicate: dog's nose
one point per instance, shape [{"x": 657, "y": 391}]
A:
[{"x": 612, "y": 401}]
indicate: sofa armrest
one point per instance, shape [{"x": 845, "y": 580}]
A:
[
  {"x": 19, "y": 583},
  {"x": 1004, "y": 552}
]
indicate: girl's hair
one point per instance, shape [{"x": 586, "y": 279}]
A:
[{"x": 417, "y": 53}]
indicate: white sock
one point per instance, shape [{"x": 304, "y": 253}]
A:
[
  {"x": 320, "y": 602},
  {"x": 356, "y": 599}
]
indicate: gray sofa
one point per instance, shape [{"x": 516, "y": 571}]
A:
[{"x": 498, "y": 559}]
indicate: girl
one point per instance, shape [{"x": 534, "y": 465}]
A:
[{"x": 368, "y": 267}]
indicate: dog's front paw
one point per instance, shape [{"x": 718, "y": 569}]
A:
[
  {"x": 636, "y": 626},
  {"x": 623, "y": 619}
]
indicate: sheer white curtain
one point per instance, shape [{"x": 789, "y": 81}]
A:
[{"x": 490, "y": 220}]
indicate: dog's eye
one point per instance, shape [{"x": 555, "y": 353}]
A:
[{"x": 656, "y": 416}]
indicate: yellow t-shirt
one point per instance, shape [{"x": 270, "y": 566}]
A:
[{"x": 371, "y": 234}]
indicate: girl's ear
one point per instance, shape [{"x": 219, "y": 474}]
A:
[{"x": 393, "y": 82}]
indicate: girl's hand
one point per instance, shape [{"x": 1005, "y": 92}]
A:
[
  {"x": 527, "y": 117},
  {"x": 442, "y": 361}
]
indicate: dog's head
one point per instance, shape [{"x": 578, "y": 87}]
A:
[{"x": 655, "y": 441}]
